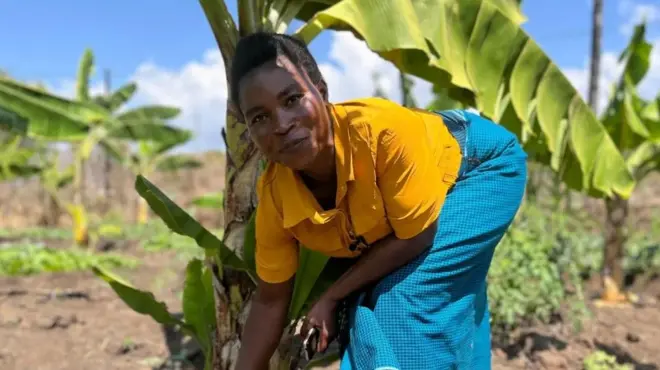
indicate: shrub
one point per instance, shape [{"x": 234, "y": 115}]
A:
[{"x": 535, "y": 270}]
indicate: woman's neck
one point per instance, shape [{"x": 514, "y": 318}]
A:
[{"x": 324, "y": 167}]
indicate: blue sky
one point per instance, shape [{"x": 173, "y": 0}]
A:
[{"x": 44, "y": 40}]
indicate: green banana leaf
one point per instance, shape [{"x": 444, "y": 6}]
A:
[
  {"x": 480, "y": 47},
  {"x": 85, "y": 71},
  {"x": 161, "y": 147},
  {"x": 644, "y": 159},
  {"x": 139, "y": 301},
  {"x": 118, "y": 98},
  {"x": 180, "y": 222},
  {"x": 623, "y": 116},
  {"x": 15, "y": 159},
  {"x": 12, "y": 122},
  {"x": 149, "y": 113},
  {"x": 145, "y": 130},
  {"x": 49, "y": 116},
  {"x": 199, "y": 303}
]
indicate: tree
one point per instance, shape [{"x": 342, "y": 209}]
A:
[{"x": 635, "y": 126}]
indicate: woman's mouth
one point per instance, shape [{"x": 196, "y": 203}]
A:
[{"x": 292, "y": 145}]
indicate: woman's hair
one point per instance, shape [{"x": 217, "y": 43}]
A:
[{"x": 258, "y": 48}]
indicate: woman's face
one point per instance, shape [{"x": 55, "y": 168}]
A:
[{"x": 285, "y": 114}]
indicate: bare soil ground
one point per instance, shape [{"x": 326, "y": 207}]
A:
[
  {"x": 629, "y": 333},
  {"x": 75, "y": 321}
]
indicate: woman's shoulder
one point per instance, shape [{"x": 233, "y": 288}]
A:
[
  {"x": 382, "y": 116},
  {"x": 266, "y": 179},
  {"x": 371, "y": 110}
]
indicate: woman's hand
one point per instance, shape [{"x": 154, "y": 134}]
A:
[{"x": 322, "y": 317}]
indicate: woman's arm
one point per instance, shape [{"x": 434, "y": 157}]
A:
[
  {"x": 265, "y": 324},
  {"x": 382, "y": 258}
]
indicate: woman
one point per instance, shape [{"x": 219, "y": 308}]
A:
[{"x": 415, "y": 200}]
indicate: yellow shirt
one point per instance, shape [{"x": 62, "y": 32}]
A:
[{"x": 394, "y": 168}]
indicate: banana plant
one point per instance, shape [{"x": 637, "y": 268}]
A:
[
  {"x": 475, "y": 49},
  {"x": 139, "y": 123},
  {"x": 443, "y": 101},
  {"x": 15, "y": 159},
  {"x": 634, "y": 124},
  {"x": 86, "y": 122},
  {"x": 152, "y": 156}
]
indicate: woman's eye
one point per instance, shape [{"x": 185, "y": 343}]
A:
[
  {"x": 293, "y": 99},
  {"x": 258, "y": 118}
]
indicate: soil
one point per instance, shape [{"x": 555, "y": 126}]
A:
[{"x": 75, "y": 321}]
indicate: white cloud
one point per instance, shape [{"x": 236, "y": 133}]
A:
[
  {"x": 199, "y": 88},
  {"x": 634, "y": 13},
  {"x": 350, "y": 72},
  {"x": 611, "y": 70}
]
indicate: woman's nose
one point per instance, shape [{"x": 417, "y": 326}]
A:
[{"x": 284, "y": 122}]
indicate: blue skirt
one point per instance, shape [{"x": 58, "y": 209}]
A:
[{"x": 433, "y": 312}]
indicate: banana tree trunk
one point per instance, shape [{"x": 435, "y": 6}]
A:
[
  {"x": 107, "y": 182},
  {"x": 233, "y": 289},
  {"x": 51, "y": 212},
  {"x": 616, "y": 236}
]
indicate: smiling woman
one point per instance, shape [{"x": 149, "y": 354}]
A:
[{"x": 411, "y": 202}]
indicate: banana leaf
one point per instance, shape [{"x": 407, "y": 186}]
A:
[
  {"x": 49, "y": 116},
  {"x": 623, "y": 116},
  {"x": 118, "y": 98},
  {"x": 479, "y": 46},
  {"x": 12, "y": 122}
]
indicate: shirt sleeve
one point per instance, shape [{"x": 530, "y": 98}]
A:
[
  {"x": 409, "y": 178},
  {"x": 276, "y": 251}
]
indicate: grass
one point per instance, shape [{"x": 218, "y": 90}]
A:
[
  {"x": 29, "y": 259},
  {"x": 37, "y": 233}
]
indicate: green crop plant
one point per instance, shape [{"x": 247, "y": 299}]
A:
[{"x": 28, "y": 259}]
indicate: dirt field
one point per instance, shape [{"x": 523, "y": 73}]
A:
[{"x": 75, "y": 321}]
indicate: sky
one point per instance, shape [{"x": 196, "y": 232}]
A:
[{"x": 167, "y": 47}]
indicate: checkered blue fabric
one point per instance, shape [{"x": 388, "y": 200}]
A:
[{"x": 433, "y": 312}]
